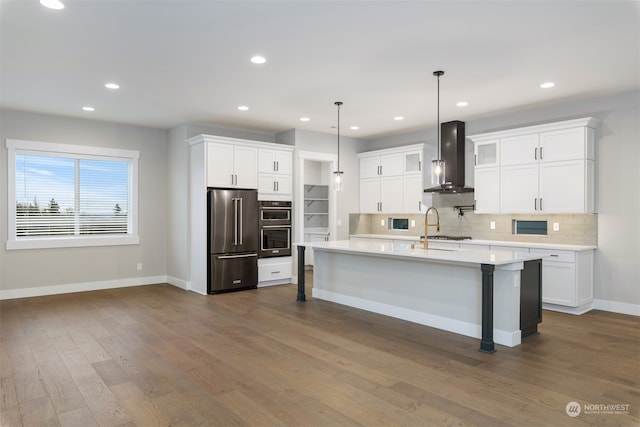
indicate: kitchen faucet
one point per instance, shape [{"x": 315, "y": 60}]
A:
[{"x": 427, "y": 225}]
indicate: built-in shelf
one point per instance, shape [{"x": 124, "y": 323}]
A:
[{"x": 316, "y": 205}]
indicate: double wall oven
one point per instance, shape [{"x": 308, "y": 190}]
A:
[{"x": 274, "y": 228}]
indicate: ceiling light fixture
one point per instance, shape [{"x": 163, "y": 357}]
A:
[
  {"x": 112, "y": 85},
  {"x": 304, "y": 119},
  {"x": 355, "y": 128},
  {"x": 438, "y": 165},
  {"x": 547, "y": 85},
  {"x": 462, "y": 104},
  {"x": 338, "y": 185},
  {"x": 258, "y": 59},
  {"x": 398, "y": 118},
  {"x": 52, "y": 4},
  {"x": 87, "y": 108},
  {"x": 243, "y": 108}
]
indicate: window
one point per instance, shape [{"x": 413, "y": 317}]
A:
[{"x": 70, "y": 196}]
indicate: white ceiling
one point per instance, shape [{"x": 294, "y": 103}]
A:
[{"x": 188, "y": 61}]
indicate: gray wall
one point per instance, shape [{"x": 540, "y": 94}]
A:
[
  {"x": 617, "y": 180},
  {"x": 51, "y": 267}
]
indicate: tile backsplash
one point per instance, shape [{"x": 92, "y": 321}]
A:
[{"x": 574, "y": 229}]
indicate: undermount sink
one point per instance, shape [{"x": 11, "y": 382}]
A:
[{"x": 442, "y": 249}]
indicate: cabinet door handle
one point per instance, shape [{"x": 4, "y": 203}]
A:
[
  {"x": 231, "y": 179},
  {"x": 535, "y": 204},
  {"x": 475, "y": 161},
  {"x": 554, "y": 255},
  {"x": 274, "y": 166},
  {"x": 540, "y": 203},
  {"x": 275, "y": 272},
  {"x": 419, "y": 165},
  {"x": 535, "y": 154},
  {"x": 541, "y": 154},
  {"x": 277, "y": 185},
  {"x": 419, "y": 206},
  {"x": 274, "y": 186}
]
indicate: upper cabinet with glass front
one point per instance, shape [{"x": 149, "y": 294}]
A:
[{"x": 486, "y": 153}]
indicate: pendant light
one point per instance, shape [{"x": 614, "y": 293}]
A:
[
  {"x": 337, "y": 174},
  {"x": 438, "y": 165}
]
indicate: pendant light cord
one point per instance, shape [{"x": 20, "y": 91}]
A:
[{"x": 338, "y": 103}]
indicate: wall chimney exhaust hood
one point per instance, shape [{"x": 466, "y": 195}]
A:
[{"x": 452, "y": 152}]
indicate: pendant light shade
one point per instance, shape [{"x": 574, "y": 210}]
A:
[
  {"x": 337, "y": 174},
  {"x": 438, "y": 166}
]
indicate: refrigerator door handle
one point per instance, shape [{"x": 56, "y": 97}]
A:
[
  {"x": 237, "y": 256},
  {"x": 235, "y": 221},
  {"x": 240, "y": 220}
]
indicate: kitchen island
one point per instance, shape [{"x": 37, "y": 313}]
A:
[{"x": 453, "y": 290}]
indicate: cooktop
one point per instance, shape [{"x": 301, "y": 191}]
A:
[{"x": 445, "y": 237}]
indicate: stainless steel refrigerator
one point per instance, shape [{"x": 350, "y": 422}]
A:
[{"x": 232, "y": 228}]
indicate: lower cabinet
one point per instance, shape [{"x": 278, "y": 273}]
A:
[
  {"x": 567, "y": 278},
  {"x": 315, "y": 237},
  {"x": 274, "y": 271}
]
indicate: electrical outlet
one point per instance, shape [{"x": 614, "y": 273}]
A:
[
  {"x": 492, "y": 225},
  {"x": 556, "y": 226},
  {"x": 382, "y": 222},
  {"x": 139, "y": 266},
  {"x": 413, "y": 222}
]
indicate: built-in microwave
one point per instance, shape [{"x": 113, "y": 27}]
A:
[
  {"x": 273, "y": 212},
  {"x": 275, "y": 228}
]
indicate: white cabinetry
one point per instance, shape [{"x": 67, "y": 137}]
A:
[
  {"x": 540, "y": 169},
  {"x": 487, "y": 176},
  {"x": 230, "y": 165},
  {"x": 567, "y": 278},
  {"x": 274, "y": 271},
  {"x": 274, "y": 174},
  {"x": 313, "y": 238},
  {"x": 391, "y": 180}
]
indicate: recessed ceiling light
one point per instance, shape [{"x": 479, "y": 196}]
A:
[
  {"x": 547, "y": 85},
  {"x": 112, "y": 86},
  {"x": 258, "y": 59},
  {"x": 52, "y": 4},
  {"x": 87, "y": 108},
  {"x": 354, "y": 127},
  {"x": 462, "y": 104},
  {"x": 398, "y": 118},
  {"x": 304, "y": 119},
  {"x": 243, "y": 108}
]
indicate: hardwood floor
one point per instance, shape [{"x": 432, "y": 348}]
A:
[{"x": 160, "y": 356}]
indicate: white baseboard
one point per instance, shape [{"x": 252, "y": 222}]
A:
[
  {"x": 617, "y": 307},
  {"x": 568, "y": 310},
  {"x": 506, "y": 338},
  {"x": 179, "y": 283},
  {"x": 80, "y": 287}
]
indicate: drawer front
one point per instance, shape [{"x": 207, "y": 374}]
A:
[
  {"x": 553, "y": 255},
  {"x": 274, "y": 272}
]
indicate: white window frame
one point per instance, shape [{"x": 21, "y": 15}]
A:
[{"x": 15, "y": 147}]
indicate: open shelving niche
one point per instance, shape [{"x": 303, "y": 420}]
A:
[{"x": 316, "y": 206}]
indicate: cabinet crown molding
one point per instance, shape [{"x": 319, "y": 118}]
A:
[
  {"x": 402, "y": 149},
  {"x": 589, "y": 122},
  {"x": 200, "y": 139}
]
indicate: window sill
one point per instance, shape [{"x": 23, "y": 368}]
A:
[{"x": 71, "y": 242}]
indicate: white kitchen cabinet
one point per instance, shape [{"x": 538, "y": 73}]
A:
[
  {"x": 541, "y": 169},
  {"x": 519, "y": 188},
  {"x": 274, "y": 271},
  {"x": 381, "y": 195},
  {"x": 275, "y": 178},
  {"x": 412, "y": 161},
  {"x": 412, "y": 193},
  {"x": 487, "y": 190},
  {"x": 233, "y": 166},
  {"x": 390, "y": 164},
  {"x": 486, "y": 153},
  {"x": 567, "y": 278},
  {"x": 391, "y": 180}
]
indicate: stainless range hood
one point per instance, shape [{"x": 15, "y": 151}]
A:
[{"x": 452, "y": 152}]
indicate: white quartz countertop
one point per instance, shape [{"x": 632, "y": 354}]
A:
[
  {"x": 556, "y": 246},
  {"x": 392, "y": 250}
]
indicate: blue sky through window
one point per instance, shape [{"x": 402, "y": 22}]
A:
[{"x": 103, "y": 183}]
